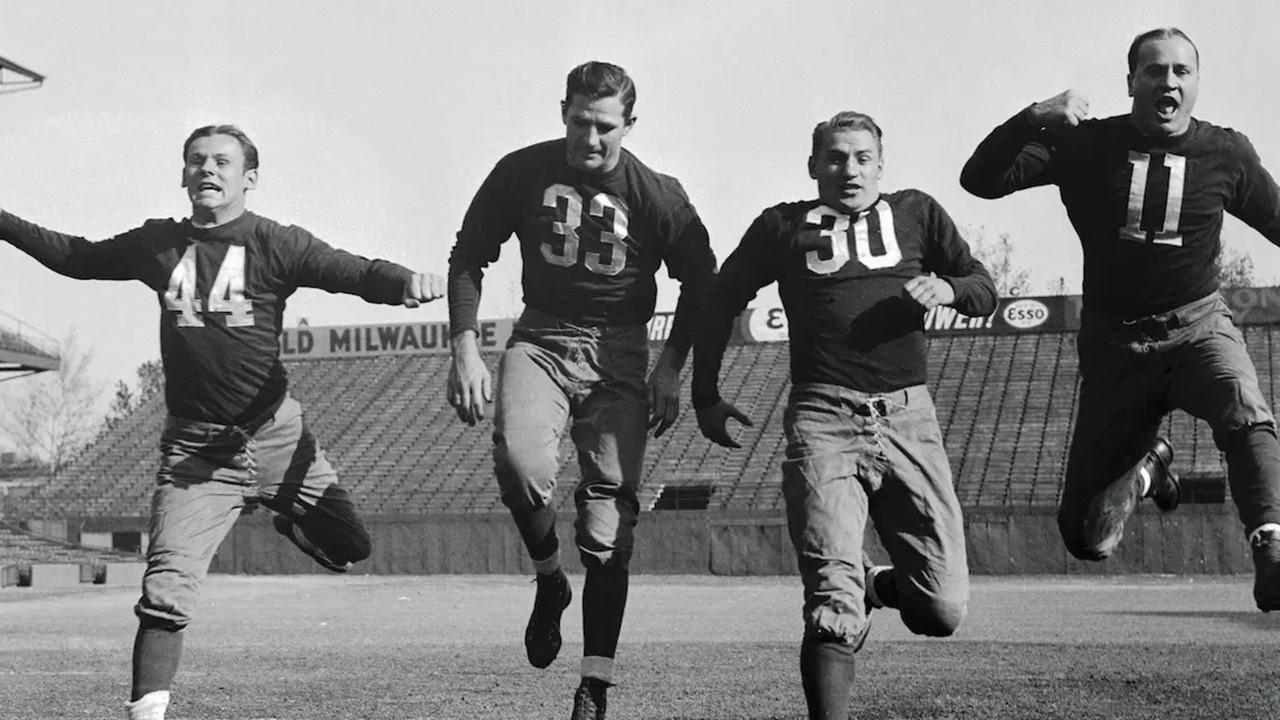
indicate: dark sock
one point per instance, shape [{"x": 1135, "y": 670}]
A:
[
  {"x": 538, "y": 530},
  {"x": 887, "y": 588},
  {"x": 604, "y": 600},
  {"x": 826, "y": 671},
  {"x": 1253, "y": 459},
  {"x": 156, "y": 652}
]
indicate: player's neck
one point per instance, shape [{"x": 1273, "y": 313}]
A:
[
  {"x": 209, "y": 218},
  {"x": 1159, "y": 132}
]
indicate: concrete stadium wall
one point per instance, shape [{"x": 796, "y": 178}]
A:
[{"x": 1197, "y": 539}]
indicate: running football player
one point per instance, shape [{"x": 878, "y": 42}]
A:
[
  {"x": 233, "y": 434},
  {"x": 1146, "y": 192},
  {"x": 594, "y": 224},
  {"x": 856, "y": 271}
]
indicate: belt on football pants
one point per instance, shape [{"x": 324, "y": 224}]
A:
[
  {"x": 1162, "y": 324},
  {"x": 881, "y": 404}
]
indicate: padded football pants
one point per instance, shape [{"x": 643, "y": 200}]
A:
[
  {"x": 852, "y": 456},
  {"x": 550, "y": 372},
  {"x": 208, "y": 473},
  {"x": 1134, "y": 372}
]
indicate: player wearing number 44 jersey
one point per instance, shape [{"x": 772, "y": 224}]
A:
[
  {"x": 1146, "y": 192},
  {"x": 856, "y": 271},
  {"x": 233, "y": 435},
  {"x": 594, "y": 225}
]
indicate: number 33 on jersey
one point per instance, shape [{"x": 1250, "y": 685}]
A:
[
  {"x": 226, "y": 296},
  {"x": 566, "y": 248}
]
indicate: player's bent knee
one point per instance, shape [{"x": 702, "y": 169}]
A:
[
  {"x": 1072, "y": 532},
  {"x": 939, "y": 618}
]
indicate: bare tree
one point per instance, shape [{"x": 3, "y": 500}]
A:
[
  {"x": 52, "y": 416},
  {"x": 150, "y": 379},
  {"x": 1235, "y": 269},
  {"x": 997, "y": 256}
]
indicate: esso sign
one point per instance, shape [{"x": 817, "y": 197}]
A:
[{"x": 1023, "y": 314}]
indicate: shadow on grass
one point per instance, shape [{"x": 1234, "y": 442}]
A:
[{"x": 1267, "y": 622}]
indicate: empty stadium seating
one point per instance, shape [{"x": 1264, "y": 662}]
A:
[
  {"x": 1005, "y": 405},
  {"x": 18, "y": 546}
]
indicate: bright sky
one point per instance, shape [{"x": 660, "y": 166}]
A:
[{"x": 377, "y": 120}]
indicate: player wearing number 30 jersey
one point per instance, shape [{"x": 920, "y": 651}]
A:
[
  {"x": 1146, "y": 193},
  {"x": 233, "y": 434},
  {"x": 594, "y": 225},
  {"x": 856, "y": 270}
]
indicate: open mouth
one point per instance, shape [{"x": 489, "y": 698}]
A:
[{"x": 1166, "y": 106}]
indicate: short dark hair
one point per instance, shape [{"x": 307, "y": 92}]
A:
[
  {"x": 250, "y": 150},
  {"x": 1163, "y": 33},
  {"x": 846, "y": 120},
  {"x": 595, "y": 80}
]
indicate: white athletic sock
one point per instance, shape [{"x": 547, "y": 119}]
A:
[
  {"x": 1264, "y": 527},
  {"x": 598, "y": 667},
  {"x": 548, "y": 566},
  {"x": 150, "y": 706}
]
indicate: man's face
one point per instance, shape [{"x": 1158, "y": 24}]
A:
[
  {"x": 214, "y": 175},
  {"x": 848, "y": 167},
  {"x": 1164, "y": 85},
  {"x": 593, "y": 132}
]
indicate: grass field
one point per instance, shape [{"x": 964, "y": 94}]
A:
[{"x": 313, "y": 647}]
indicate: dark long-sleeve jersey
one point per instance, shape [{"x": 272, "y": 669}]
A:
[
  {"x": 590, "y": 244},
  {"x": 1148, "y": 211},
  {"x": 841, "y": 281},
  {"x": 222, "y": 293}
]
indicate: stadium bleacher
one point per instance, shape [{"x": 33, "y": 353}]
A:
[
  {"x": 19, "y": 546},
  {"x": 1005, "y": 404}
]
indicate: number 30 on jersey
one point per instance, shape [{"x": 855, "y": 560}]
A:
[
  {"x": 226, "y": 296},
  {"x": 837, "y": 237}
]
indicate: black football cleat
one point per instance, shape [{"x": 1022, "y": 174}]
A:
[
  {"x": 290, "y": 530},
  {"x": 542, "y": 634},
  {"x": 590, "y": 702},
  {"x": 1111, "y": 508},
  {"x": 1265, "y": 543}
]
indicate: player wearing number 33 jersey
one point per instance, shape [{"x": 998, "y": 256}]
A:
[
  {"x": 233, "y": 435},
  {"x": 1146, "y": 193},
  {"x": 594, "y": 226}
]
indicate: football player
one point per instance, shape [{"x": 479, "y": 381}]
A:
[
  {"x": 1146, "y": 192},
  {"x": 594, "y": 224},
  {"x": 856, "y": 271},
  {"x": 233, "y": 433}
]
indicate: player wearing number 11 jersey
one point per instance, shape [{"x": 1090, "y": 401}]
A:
[
  {"x": 594, "y": 225},
  {"x": 856, "y": 270},
  {"x": 233, "y": 434},
  {"x": 1146, "y": 192}
]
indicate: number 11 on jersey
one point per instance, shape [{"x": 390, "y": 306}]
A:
[{"x": 1138, "y": 183}]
